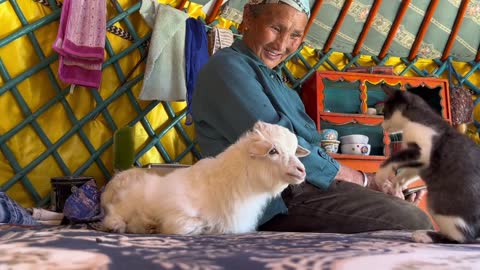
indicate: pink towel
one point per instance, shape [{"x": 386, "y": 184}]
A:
[{"x": 80, "y": 42}]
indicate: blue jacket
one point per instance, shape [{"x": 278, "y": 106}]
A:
[{"x": 234, "y": 90}]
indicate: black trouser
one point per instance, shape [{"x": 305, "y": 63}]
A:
[{"x": 345, "y": 208}]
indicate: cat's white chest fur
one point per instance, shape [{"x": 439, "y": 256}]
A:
[
  {"x": 413, "y": 132},
  {"x": 422, "y": 136}
]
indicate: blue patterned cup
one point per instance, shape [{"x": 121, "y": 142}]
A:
[
  {"x": 328, "y": 134},
  {"x": 330, "y": 146}
]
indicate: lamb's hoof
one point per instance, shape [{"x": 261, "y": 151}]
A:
[
  {"x": 120, "y": 228},
  {"x": 422, "y": 237},
  {"x": 116, "y": 227}
]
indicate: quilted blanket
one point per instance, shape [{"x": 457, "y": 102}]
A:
[{"x": 81, "y": 247}]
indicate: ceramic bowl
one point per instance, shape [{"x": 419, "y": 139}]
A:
[
  {"x": 330, "y": 146},
  {"x": 354, "y": 138},
  {"x": 328, "y": 134},
  {"x": 355, "y": 149}
]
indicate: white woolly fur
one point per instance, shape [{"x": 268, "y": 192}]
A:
[{"x": 225, "y": 194}]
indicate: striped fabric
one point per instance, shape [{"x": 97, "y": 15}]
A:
[{"x": 12, "y": 213}]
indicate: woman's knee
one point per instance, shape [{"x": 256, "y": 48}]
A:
[{"x": 411, "y": 217}]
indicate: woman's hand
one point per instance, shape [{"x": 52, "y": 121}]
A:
[
  {"x": 388, "y": 187},
  {"x": 351, "y": 175}
]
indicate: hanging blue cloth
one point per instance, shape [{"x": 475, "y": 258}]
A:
[{"x": 196, "y": 55}]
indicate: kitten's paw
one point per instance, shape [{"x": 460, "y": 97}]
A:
[
  {"x": 422, "y": 237},
  {"x": 406, "y": 176},
  {"x": 397, "y": 181},
  {"x": 382, "y": 175}
]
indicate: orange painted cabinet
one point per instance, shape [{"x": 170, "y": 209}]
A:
[{"x": 340, "y": 100}]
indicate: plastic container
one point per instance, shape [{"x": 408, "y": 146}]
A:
[{"x": 62, "y": 187}]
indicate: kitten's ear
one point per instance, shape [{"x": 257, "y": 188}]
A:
[{"x": 388, "y": 90}]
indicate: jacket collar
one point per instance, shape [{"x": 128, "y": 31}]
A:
[{"x": 240, "y": 46}]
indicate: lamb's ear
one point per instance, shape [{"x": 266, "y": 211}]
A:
[
  {"x": 258, "y": 128},
  {"x": 389, "y": 91},
  {"x": 301, "y": 152},
  {"x": 260, "y": 148},
  {"x": 259, "y": 125}
]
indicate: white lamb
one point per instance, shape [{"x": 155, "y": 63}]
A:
[{"x": 225, "y": 194}]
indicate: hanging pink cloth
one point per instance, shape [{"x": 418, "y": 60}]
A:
[{"x": 80, "y": 42}]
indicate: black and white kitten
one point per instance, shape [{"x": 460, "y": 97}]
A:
[{"x": 445, "y": 159}]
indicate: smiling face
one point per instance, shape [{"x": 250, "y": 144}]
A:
[{"x": 273, "y": 31}]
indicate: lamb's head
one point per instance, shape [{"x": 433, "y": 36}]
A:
[{"x": 275, "y": 151}]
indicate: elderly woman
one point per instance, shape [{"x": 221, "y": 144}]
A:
[{"x": 239, "y": 85}]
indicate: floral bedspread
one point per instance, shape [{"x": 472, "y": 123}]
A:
[{"x": 81, "y": 247}]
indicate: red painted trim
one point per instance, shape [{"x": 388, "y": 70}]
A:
[
  {"x": 215, "y": 11},
  {"x": 366, "y": 27},
  {"x": 456, "y": 26},
  {"x": 181, "y": 5},
  {"x": 393, "y": 31},
  {"x": 423, "y": 29},
  {"x": 313, "y": 15},
  {"x": 337, "y": 25}
]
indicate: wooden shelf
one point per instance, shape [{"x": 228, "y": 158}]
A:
[
  {"x": 359, "y": 115},
  {"x": 357, "y": 157},
  {"x": 359, "y": 91},
  {"x": 346, "y": 118}
]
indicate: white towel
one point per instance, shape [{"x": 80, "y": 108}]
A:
[
  {"x": 165, "y": 70},
  {"x": 44, "y": 215}
]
